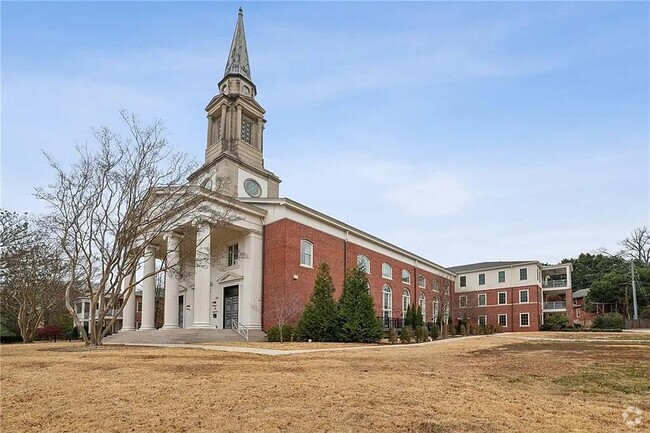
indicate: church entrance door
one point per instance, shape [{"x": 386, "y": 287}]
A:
[{"x": 230, "y": 306}]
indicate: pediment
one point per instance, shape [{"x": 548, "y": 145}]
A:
[{"x": 229, "y": 276}]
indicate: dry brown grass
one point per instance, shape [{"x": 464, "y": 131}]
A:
[
  {"x": 490, "y": 384},
  {"x": 285, "y": 346}
]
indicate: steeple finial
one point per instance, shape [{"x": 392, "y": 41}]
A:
[{"x": 238, "y": 58}]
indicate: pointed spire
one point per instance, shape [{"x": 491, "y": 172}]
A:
[{"x": 238, "y": 58}]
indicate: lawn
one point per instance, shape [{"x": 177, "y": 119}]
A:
[{"x": 487, "y": 384}]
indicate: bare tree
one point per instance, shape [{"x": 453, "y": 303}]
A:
[
  {"x": 286, "y": 307},
  {"x": 117, "y": 200},
  {"x": 31, "y": 275},
  {"x": 637, "y": 246},
  {"x": 442, "y": 293}
]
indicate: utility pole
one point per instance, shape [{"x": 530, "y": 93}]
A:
[{"x": 634, "y": 303}]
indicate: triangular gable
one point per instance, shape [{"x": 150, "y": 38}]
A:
[{"x": 228, "y": 277}]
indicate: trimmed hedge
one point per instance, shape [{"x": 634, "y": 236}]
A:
[{"x": 273, "y": 334}]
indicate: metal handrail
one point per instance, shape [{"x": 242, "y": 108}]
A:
[
  {"x": 557, "y": 305},
  {"x": 241, "y": 329},
  {"x": 554, "y": 283}
]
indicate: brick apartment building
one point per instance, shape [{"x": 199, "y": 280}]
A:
[{"x": 275, "y": 246}]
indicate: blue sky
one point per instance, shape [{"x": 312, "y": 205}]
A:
[{"x": 460, "y": 131}]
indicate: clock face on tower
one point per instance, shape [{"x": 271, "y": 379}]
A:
[{"x": 252, "y": 188}]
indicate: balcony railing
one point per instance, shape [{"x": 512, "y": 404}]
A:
[
  {"x": 558, "y": 305},
  {"x": 554, "y": 283},
  {"x": 397, "y": 323}
]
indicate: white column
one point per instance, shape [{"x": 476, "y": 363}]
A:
[
  {"x": 250, "y": 294},
  {"x": 149, "y": 291},
  {"x": 128, "y": 313},
  {"x": 172, "y": 276},
  {"x": 202, "y": 278}
]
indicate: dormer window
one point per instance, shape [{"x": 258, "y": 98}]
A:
[{"x": 246, "y": 130}]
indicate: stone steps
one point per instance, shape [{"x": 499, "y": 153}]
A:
[{"x": 182, "y": 336}]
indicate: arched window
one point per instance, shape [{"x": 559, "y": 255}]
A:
[
  {"x": 435, "y": 285},
  {"x": 386, "y": 271},
  {"x": 422, "y": 282},
  {"x": 435, "y": 310},
  {"x": 363, "y": 262},
  {"x": 406, "y": 301},
  {"x": 387, "y": 301},
  {"x": 306, "y": 253},
  {"x": 422, "y": 302},
  {"x": 406, "y": 276}
]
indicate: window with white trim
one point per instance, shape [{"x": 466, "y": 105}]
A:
[
  {"x": 482, "y": 299},
  {"x": 386, "y": 301},
  {"x": 502, "y": 276},
  {"x": 406, "y": 301},
  {"x": 138, "y": 307},
  {"x": 463, "y": 281},
  {"x": 422, "y": 282},
  {"x": 233, "y": 254},
  {"x": 435, "y": 285},
  {"x": 422, "y": 302},
  {"x": 462, "y": 301},
  {"x": 306, "y": 253},
  {"x": 503, "y": 320},
  {"x": 406, "y": 276},
  {"x": 482, "y": 320},
  {"x": 386, "y": 271},
  {"x": 481, "y": 279},
  {"x": 523, "y": 274},
  {"x": 363, "y": 263},
  {"x": 435, "y": 311},
  {"x": 524, "y": 319},
  {"x": 503, "y": 298},
  {"x": 523, "y": 296}
]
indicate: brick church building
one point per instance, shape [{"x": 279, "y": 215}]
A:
[{"x": 272, "y": 251}]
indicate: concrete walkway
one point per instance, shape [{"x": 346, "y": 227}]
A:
[
  {"x": 277, "y": 352},
  {"x": 590, "y": 340}
]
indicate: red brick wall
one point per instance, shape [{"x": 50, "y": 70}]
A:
[
  {"x": 282, "y": 263},
  {"x": 511, "y": 309}
]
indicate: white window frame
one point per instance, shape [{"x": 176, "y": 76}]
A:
[
  {"x": 499, "y": 277},
  {"x": 422, "y": 282},
  {"x": 484, "y": 295},
  {"x": 478, "y": 320},
  {"x": 499, "y": 298},
  {"x": 435, "y": 285},
  {"x": 364, "y": 263},
  {"x": 422, "y": 302},
  {"x": 462, "y": 281},
  {"x": 406, "y": 277},
  {"x": 406, "y": 301},
  {"x": 526, "y": 291},
  {"x": 525, "y": 270},
  {"x": 499, "y": 320},
  {"x": 460, "y": 301},
  {"x": 232, "y": 260},
  {"x": 479, "y": 279},
  {"x": 138, "y": 307},
  {"x": 521, "y": 315},
  {"x": 435, "y": 309},
  {"x": 386, "y": 307},
  {"x": 386, "y": 271},
  {"x": 307, "y": 254}
]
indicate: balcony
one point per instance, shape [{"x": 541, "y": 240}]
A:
[
  {"x": 550, "y": 284},
  {"x": 553, "y": 306}
]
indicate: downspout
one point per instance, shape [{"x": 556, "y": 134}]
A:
[{"x": 263, "y": 276}]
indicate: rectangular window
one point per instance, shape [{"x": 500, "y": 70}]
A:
[
  {"x": 306, "y": 253},
  {"x": 578, "y": 312},
  {"x": 482, "y": 299},
  {"x": 139, "y": 307},
  {"x": 463, "y": 281},
  {"x": 503, "y": 320},
  {"x": 523, "y": 274},
  {"x": 503, "y": 298},
  {"x": 502, "y": 276},
  {"x": 246, "y": 129},
  {"x": 481, "y": 279},
  {"x": 462, "y": 301},
  {"x": 524, "y": 319},
  {"x": 233, "y": 254},
  {"x": 523, "y": 296},
  {"x": 482, "y": 320}
]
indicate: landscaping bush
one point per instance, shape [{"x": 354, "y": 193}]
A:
[
  {"x": 392, "y": 336},
  {"x": 495, "y": 328},
  {"x": 435, "y": 332},
  {"x": 452, "y": 330},
  {"x": 463, "y": 330},
  {"x": 359, "y": 322},
  {"x": 557, "y": 321},
  {"x": 645, "y": 313},
  {"x": 8, "y": 339},
  {"x": 609, "y": 321},
  {"x": 421, "y": 334},
  {"x": 406, "y": 336},
  {"x": 319, "y": 320},
  {"x": 49, "y": 332},
  {"x": 273, "y": 334}
]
